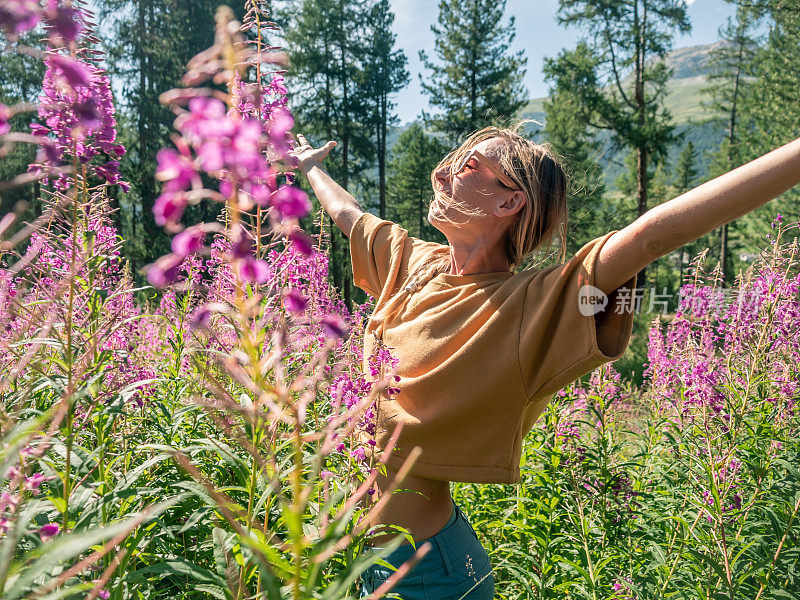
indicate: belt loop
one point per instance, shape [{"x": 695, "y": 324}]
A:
[{"x": 448, "y": 564}]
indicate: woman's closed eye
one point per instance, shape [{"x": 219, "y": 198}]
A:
[
  {"x": 466, "y": 167},
  {"x": 470, "y": 165}
]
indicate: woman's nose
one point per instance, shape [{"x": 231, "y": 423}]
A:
[{"x": 442, "y": 174}]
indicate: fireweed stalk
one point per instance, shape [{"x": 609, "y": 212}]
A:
[
  {"x": 65, "y": 308},
  {"x": 269, "y": 342},
  {"x": 78, "y": 113}
]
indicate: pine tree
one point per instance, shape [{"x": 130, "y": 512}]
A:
[
  {"x": 686, "y": 169},
  {"x": 628, "y": 41},
  {"x": 729, "y": 79},
  {"x": 568, "y": 135},
  {"x": 20, "y": 81},
  {"x": 476, "y": 81},
  {"x": 414, "y": 156},
  {"x": 661, "y": 188},
  {"x": 151, "y": 43},
  {"x": 771, "y": 112},
  {"x": 386, "y": 73},
  {"x": 331, "y": 99},
  {"x": 685, "y": 179}
]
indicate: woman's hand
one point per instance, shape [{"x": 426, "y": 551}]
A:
[
  {"x": 308, "y": 157},
  {"x": 337, "y": 202}
]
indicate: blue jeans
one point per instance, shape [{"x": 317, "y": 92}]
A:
[{"x": 456, "y": 566}]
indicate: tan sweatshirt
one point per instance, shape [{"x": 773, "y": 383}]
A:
[{"x": 479, "y": 355}]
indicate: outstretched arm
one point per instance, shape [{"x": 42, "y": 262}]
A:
[
  {"x": 337, "y": 202},
  {"x": 672, "y": 224}
]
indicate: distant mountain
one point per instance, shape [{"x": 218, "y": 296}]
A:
[
  {"x": 692, "y": 61},
  {"x": 691, "y": 66},
  {"x": 686, "y": 102}
]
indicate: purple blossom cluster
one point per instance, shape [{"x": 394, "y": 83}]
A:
[
  {"x": 233, "y": 149},
  {"x": 20, "y": 484},
  {"x": 603, "y": 394},
  {"x": 623, "y": 589},
  {"x": 78, "y": 112},
  {"x": 90, "y": 254},
  {"x": 701, "y": 353},
  {"x": 63, "y": 22},
  {"x": 77, "y": 134}
]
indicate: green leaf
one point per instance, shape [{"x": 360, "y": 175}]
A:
[
  {"x": 42, "y": 562},
  {"x": 58, "y": 502}
]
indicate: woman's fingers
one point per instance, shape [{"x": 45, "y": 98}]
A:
[
  {"x": 327, "y": 148},
  {"x": 301, "y": 139},
  {"x": 306, "y": 155}
]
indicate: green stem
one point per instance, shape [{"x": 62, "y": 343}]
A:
[{"x": 297, "y": 542}]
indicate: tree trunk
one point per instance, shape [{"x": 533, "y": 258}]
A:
[
  {"x": 334, "y": 263},
  {"x": 641, "y": 193},
  {"x": 641, "y": 157},
  {"x": 345, "y": 281},
  {"x": 723, "y": 251},
  {"x": 147, "y": 189},
  {"x": 382, "y": 126}
]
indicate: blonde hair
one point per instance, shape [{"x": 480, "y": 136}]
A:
[{"x": 537, "y": 171}]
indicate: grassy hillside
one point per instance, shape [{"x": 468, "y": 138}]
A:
[
  {"x": 686, "y": 88},
  {"x": 687, "y": 102}
]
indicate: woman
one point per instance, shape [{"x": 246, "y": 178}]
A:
[{"x": 481, "y": 349}]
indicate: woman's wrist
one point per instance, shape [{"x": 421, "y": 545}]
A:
[{"x": 306, "y": 167}]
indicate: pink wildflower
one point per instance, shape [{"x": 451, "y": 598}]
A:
[
  {"x": 188, "y": 241},
  {"x": 5, "y": 116},
  {"x": 334, "y": 326},
  {"x": 49, "y": 531},
  {"x": 301, "y": 242},
  {"x": 18, "y": 16},
  {"x": 290, "y": 202},
  {"x": 295, "y": 302},
  {"x": 253, "y": 270}
]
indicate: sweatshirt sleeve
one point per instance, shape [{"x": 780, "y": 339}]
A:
[
  {"x": 376, "y": 250},
  {"x": 569, "y": 328}
]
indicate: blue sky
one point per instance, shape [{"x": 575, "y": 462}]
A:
[{"x": 538, "y": 35}]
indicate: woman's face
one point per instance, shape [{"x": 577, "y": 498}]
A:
[{"x": 472, "y": 198}]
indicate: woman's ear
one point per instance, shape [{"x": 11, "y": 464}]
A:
[{"x": 511, "y": 205}]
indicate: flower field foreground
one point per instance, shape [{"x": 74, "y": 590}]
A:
[
  {"x": 688, "y": 488},
  {"x": 213, "y": 441}
]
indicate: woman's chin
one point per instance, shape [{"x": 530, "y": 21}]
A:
[
  {"x": 436, "y": 221},
  {"x": 434, "y": 216}
]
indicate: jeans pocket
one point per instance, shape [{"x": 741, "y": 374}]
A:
[{"x": 469, "y": 526}]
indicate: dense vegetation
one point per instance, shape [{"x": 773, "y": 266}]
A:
[{"x": 200, "y": 427}]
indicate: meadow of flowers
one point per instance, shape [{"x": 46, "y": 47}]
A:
[{"x": 208, "y": 436}]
